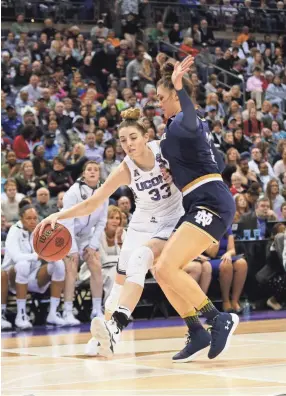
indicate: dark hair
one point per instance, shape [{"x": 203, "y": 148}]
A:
[
  {"x": 131, "y": 118},
  {"x": 60, "y": 159},
  {"x": 24, "y": 207},
  {"x": 275, "y": 105},
  {"x": 104, "y": 153},
  {"x": 28, "y": 131},
  {"x": 166, "y": 79}
]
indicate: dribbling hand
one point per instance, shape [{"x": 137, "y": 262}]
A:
[
  {"x": 52, "y": 219},
  {"x": 180, "y": 69}
]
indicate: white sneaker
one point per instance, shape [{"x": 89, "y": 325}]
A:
[
  {"x": 54, "y": 318},
  {"x": 96, "y": 314},
  {"x": 22, "y": 322},
  {"x": 107, "y": 334},
  {"x": 5, "y": 325},
  {"x": 69, "y": 319},
  {"x": 91, "y": 348}
]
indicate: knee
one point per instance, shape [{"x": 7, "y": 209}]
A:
[
  {"x": 207, "y": 268},
  {"x": 194, "y": 269},
  {"x": 57, "y": 271},
  {"x": 225, "y": 267},
  {"x": 71, "y": 265},
  {"x": 138, "y": 265},
  {"x": 22, "y": 269},
  {"x": 163, "y": 272},
  {"x": 240, "y": 265}
]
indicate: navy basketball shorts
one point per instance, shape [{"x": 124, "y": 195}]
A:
[{"x": 210, "y": 208}]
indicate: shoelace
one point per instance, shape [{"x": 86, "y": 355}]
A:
[{"x": 189, "y": 338}]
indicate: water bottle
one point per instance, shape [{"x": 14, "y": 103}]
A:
[{"x": 246, "y": 308}]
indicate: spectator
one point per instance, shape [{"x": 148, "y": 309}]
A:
[
  {"x": 92, "y": 151},
  {"x": 241, "y": 144},
  {"x": 276, "y": 92},
  {"x": 11, "y": 122},
  {"x": 232, "y": 271},
  {"x": 277, "y": 132},
  {"x": 207, "y": 35},
  {"x": 51, "y": 148},
  {"x": 187, "y": 47},
  {"x": 27, "y": 182},
  {"x": 77, "y": 133},
  {"x": 99, "y": 30},
  {"x": 236, "y": 184},
  {"x": 11, "y": 167},
  {"x": 124, "y": 205},
  {"x": 109, "y": 163},
  {"x": 248, "y": 176},
  {"x": 280, "y": 166},
  {"x": 110, "y": 245},
  {"x": 49, "y": 29},
  {"x": 232, "y": 157},
  {"x": 275, "y": 199},
  {"x": 77, "y": 161},
  {"x": 201, "y": 270},
  {"x": 59, "y": 179},
  {"x": 264, "y": 174},
  {"x": 41, "y": 166},
  {"x": 9, "y": 206},
  {"x": 204, "y": 61},
  {"x": 10, "y": 43},
  {"x": 60, "y": 198},
  {"x": 33, "y": 89},
  {"x": 211, "y": 86},
  {"x": 283, "y": 211},
  {"x": 26, "y": 271},
  {"x": 133, "y": 69},
  {"x": 23, "y": 144},
  {"x": 103, "y": 126},
  {"x": 257, "y": 219},
  {"x": 252, "y": 125},
  {"x": 227, "y": 142},
  {"x": 256, "y": 156},
  {"x": 175, "y": 35},
  {"x": 19, "y": 26},
  {"x": 21, "y": 52},
  {"x": 44, "y": 206},
  {"x": 159, "y": 33},
  {"x": 241, "y": 205}
]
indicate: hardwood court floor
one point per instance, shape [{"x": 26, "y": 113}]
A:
[{"x": 255, "y": 364}]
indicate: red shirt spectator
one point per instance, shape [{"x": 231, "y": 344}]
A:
[{"x": 252, "y": 126}]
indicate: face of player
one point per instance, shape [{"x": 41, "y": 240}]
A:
[
  {"x": 133, "y": 142},
  {"x": 168, "y": 101},
  {"x": 91, "y": 175},
  {"x": 30, "y": 219}
]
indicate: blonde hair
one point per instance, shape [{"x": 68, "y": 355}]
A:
[
  {"x": 114, "y": 209},
  {"x": 82, "y": 149},
  {"x": 131, "y": 118}
]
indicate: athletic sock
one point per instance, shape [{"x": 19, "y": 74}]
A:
[
  {"x": 3, "y": 308},
  {"x": 21, "y": 306},
  {"x": 207, "y": 309},
  {"x": 193, "y": 322},
  {"x": 121, "y": 317},
  {"x": 97, "y": 304},
  {"x": 54, "y": 303},
  {"x": 68, "y": 305}
]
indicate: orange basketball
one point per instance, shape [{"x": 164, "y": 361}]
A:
[{"x": 53, "y": 245}]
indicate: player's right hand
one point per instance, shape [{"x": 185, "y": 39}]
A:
[{"x": 52, "y": 219}]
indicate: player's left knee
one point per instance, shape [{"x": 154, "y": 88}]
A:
[
  {"x": 56, "y": 270},
  {"x": 138, "y": 265}
]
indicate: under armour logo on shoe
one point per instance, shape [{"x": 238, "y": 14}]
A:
[
  {"x": 228, "y": 322},
  {"x": 204, "y": 218}
]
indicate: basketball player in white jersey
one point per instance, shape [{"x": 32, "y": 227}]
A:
[{"x": 158, "y": 208}]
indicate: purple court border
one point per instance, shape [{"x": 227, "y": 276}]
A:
[{"x": 137, "y": 324}]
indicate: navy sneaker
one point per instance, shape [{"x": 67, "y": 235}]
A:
[
  {"x": 195, "y": 344},
  {"x": 223, "y": 326}
]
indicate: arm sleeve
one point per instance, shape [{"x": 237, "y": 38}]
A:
[
  {"x": 69, "y": 200},
  {"x": 189, "y": 112},
  {"x": 99, "y": 227},
  {"x": 13, "y": 248}
]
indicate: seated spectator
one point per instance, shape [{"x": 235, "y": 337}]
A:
[
  {"x": 254, "y": 86},
  {"x": 41, "y": 166},
  {"x": 51, "y": 148},
  {"x": 44, "y": 206},
  {"x": 232, "y": 157},
  {"x": 23, "y": 143},
  {"x": 257, "y": 219},
  {"x": 275, "y": 199},
  {"x": 76, "y": 161},
  {"x": 19, "y": 26},
  {"x": 201, "y": 270},
  {"x": 236, "y": 184},
  {"x": 211, "y": 86},
  {"x": 159, "y": 33},
  {"x": 11, "y": 167},
  {"x": 248, "y": 176},
  {"x": 236, "y": 94},
  {"x": 124, "y": 205},
  {"x": 92, "y": 151},
  {"x": 187, "y": 47},
  {"x": 11, "y": 122},
  {"x": 275, "y": 92},
  {"x": 216, "y": 133},
  {"x": 9, "y": 205},
  {"x": 109, "y": 163},
  {"x": 278, "y": 133},
  {"x": 60, "y": 198},
  {"x": 264, "y": 174},
  {"x": 77, "y": 133},
  {"x": 241, "y": 205},
  {"x": 21, "y": 51},
  {"x": 282, "y": 179},
  {"x": 110, "y": 245},
  {"x": 228, "y": 141},
  {"x": 283, "y": 211},
  {"x": 256, "y": 158},
  {"x": 241, "y": 144},
  {"x": 207, "y": 35},
  {"x": 27, "y": 182},
  {"x": 252, "y": 125},
  {"x": 232, "y": 271},
  {"x": 59, "y": 178},
  {"x": 26, "y": 271}
]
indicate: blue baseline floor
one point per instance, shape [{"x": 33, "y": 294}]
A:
[{"x": 137, "y": 324}]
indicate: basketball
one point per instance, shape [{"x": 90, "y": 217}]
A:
[{"x": 53, "y": 245}]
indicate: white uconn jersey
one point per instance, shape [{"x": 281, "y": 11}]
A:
[{"x": 153, "y": 196}]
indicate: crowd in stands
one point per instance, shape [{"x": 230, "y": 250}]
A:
[{"x": 62, "y": 94}]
